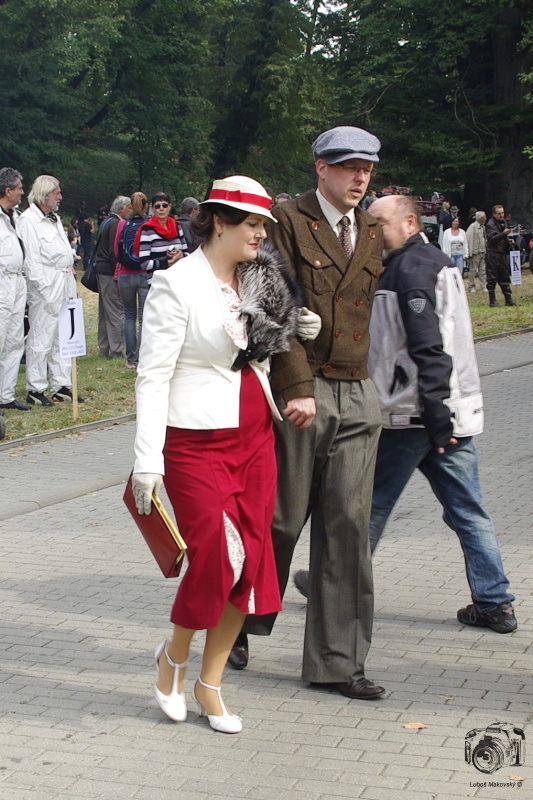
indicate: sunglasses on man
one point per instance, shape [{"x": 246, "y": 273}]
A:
[{"x": 161, "y": 205}]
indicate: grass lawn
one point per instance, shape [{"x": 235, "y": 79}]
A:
[
  {"x": 488, "y": 321},
  {"x": 107, "y": 386}
]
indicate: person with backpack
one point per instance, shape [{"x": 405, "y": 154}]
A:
[
  {"x": 110, "y": 310},
  {"x": 132, "y": 279},
  {"x": 160, "y": 241}
]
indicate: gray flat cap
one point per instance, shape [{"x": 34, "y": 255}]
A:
[{"x": 340, "y": 144}]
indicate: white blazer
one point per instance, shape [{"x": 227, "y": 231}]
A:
[{"x": 184, "y": 378}]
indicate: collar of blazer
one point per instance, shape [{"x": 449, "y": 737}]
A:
[{"x": 368, "y": 231}]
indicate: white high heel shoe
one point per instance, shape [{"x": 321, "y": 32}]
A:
[
  {"x": 225, "y": 722},
  {"x": 174, "y": 704}
]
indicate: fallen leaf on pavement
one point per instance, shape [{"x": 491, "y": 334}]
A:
[{"x": 415, "y": 726}]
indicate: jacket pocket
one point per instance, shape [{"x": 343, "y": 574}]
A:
[
  {"x": 317, "y": 272},
  {"x": 400, "y": 378},
  {"x": 6, "y": 245},
  {"x": 370, "y": 277}
]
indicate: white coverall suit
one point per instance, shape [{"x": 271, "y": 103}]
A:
[
  {"x": 12, "y": 306},
  {"x": 49, "y": 260}
]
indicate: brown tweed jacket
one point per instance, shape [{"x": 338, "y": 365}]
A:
[{"x": 340, "y": 291}]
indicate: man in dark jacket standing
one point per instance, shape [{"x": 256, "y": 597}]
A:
[
  {"x": 326, "y": 446},
  {"x": 496, "y": 258},
  {"x": 110, "y": 308}
]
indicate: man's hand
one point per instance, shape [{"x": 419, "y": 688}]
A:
[
  {"x": 143, "y": 484},
  {"x": 443, "y": 449},
  {"x": 301, "y": 411}
]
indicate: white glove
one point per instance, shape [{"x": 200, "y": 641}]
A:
[
  {"x": 143, "y": 484},
  {"x": 308, "y": 325}
]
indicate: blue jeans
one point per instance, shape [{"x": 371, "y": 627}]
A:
[
  {"x": 454, "y": 478},
  {"x": 458, "y": 262},
  {"x": 133, "y": 289}
]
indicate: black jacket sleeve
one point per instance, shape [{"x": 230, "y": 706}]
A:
[{"x": 417, "y": 301}]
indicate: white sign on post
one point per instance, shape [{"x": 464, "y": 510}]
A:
[
  {"x": 516, "y": 271},
  {"x": 72, "y": 329}
]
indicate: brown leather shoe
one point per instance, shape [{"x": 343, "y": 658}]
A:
[{"x": 362, "y": 689}]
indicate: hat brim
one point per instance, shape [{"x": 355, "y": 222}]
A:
[
  {"x": 338, "y": 158},
  {"x": 251, "y": 209}
]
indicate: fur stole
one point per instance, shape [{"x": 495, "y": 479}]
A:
[{"x": 270, "y": 305}]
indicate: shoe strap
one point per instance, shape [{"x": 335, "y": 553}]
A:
[
  {"x": 208, "y": 685},
  {"x": 170, "y": 662}
]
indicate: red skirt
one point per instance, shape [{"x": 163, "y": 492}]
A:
[{"x": 212, "y": 474}]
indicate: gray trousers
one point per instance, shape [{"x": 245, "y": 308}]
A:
[
  {"x": 110, "y": 318},
  {"x": 326, "y": 472},
  {"x": 476, "y": 266}
]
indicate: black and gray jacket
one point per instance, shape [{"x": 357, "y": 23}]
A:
[
  {"x": 422, "y": 357},
  {"x": 270, "y": 304}
]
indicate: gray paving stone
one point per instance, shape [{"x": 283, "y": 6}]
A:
[{"x": 82, "y": 607}]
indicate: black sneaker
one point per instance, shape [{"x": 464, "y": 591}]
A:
[
  {"x": 38, "y": 399},
  {"x": 64, "y": 394},
  {"x": 500, "y": 619},
  {"x": 18, "y": 406}
]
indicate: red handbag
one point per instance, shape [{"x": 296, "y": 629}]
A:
[{"x": 160, "y": 533}]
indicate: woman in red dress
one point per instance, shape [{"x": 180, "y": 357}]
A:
[{"x": 204, "y": 423}]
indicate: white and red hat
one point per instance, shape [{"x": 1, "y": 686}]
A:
[{"x": 243, "y": 193}]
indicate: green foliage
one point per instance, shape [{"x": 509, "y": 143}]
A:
[{"x": 167, "y": 94}]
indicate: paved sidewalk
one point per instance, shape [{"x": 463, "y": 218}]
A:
[{"x": 82, "y": 607}]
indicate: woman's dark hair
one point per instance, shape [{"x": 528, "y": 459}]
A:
[
  {"x": 160, "y": 196},
  {"x": 203, "y": 224}
]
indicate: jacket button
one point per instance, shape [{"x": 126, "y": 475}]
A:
[
  {"x": 376, "y": 273},
  {"x": 372, "y": 234},
  {"x": 358, "y": 301},
  {"x": 337, "y": 333},
  {"x": 327, "y": 368},
  {"x": 315, "y": 226},
  {"x": 339, "y": 297},
  {"x": 355, "y": 372},
  {"x": 317, "y": 263},
  {"x": 357, "y": 336}
]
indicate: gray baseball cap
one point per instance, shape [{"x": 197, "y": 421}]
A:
[{"x": 345, "y": 142}]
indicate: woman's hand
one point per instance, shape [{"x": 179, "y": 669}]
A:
[
  {"x": 173, "y": 256},
  {"x": 308, "y": 325},
  {"x": 143, "y": 485}
]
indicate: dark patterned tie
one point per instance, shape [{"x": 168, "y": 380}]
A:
[
  {"x": 51, "y": 216},
  {"x": 345, "y": 238}
]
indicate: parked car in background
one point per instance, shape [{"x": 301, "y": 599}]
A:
[
  {"x": 394, "y": 190},
  {"x": 521, "y": 238},
  {"x": 430, "y": 207},
  {"x": 429, "y": 217}
]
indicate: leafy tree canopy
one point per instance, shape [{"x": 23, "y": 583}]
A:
[{"x": 169, "y": 93}]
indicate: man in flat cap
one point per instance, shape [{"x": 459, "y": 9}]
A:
[{"x": 326, "y": 447}]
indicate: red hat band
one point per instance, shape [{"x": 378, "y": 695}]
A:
[{"x": 240, "y": 197}]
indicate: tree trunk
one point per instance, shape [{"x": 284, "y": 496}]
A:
[{"x": 514, "y": 176}]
